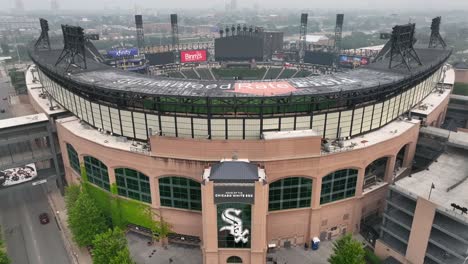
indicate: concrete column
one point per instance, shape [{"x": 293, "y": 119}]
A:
[
  {"x": 111, "y": 172},
  {"x": 259, "y": 224},
  {"x": 388, "y": 177},
  {"x": 51, "y": 139},
  {"x": 316, "y": 189},
  {"x": 409, "y": 155},
  {"x": 360, "y": 182},
  {"x": 315, "y": 223},
  {"x": 210, "y": 225},
  {"x": 420, "y": 231}
]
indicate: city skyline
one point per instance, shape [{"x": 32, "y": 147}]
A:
[{"x": 181, "y": 4}]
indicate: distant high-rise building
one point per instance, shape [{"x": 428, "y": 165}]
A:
[
  {"x": 54, "y": 5},
  {"x": 19, "y": 6},
  {"x": 233, "y": 5}
]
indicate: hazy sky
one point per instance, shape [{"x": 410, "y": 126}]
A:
[{"x": 302, "y": 4}]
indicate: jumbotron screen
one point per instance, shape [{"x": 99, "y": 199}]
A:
[
  {"x": 160, "y": 58},
  {"x": 319, "y": 58},
  {"x": 188, "y": 56},
  {"x": 239, "y": 48}
]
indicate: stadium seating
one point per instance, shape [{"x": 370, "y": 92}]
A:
[
  {"x": 175, "y": 74},
  {"x": 204, "y": 73},
  {"x": 302, "y": 73},
  {"x": 272, "y": 73},
  {"x": 287, "y": 73},
  {"x": 190, "y": 73}
]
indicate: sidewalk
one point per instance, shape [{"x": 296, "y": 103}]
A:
[{"x": 57, "y": 202}]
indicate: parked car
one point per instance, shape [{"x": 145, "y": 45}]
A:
[{"x": 44, "y": 218}]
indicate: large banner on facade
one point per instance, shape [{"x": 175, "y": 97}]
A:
[
  {"x": 17, "y": 175},
  {"x": 188, "y": 56},
  {"x": 234, "y": 193}
]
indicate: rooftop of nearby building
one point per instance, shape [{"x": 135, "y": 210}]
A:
[
  {"x": 449, "y": 77},
  {"x": 85, "y": 131},
  {"x": 35, "y": 90},
  {"x": 431, "y": 102},
  {"x": 449, "y": 174},
  {"x": 22, "y": 120}
]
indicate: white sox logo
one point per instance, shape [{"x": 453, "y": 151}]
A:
[{"x": 235, "y": 228}]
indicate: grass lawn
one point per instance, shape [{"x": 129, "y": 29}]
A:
[{"x": 460, "y": 89}]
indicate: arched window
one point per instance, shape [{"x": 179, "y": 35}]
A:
[
  {"x": 338, "y": 185},
  {"x": 294, "y": 192},
  {"x": 375, "y": 172},
  {"x": 180, "y": 192},
  {"x": 97, "y": 172},
  {"x": 73, "y": 158},
  {"x": 234, "y": 259},
  {"x": 133, "y": 184}
]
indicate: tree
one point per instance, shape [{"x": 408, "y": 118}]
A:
[
  {"x": 4, "y": 258},
  {"x": 347, "y": 250},
  {"x": 111, "y": 247},
  {"x": 3, "y": 255},
  {"x": 161, "y": 229},
  {"x": 122, "y": 257},
  {"x": 85, "y": 220},
  {"x": 72, "y": 193}
]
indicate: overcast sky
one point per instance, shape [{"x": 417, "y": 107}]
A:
[{"x": 301, "y": 4}]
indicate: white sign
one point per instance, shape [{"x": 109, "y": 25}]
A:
[
  {"x": 235, "y": 227},
  {"x": 18, "y": 175},
  {"x": 39, "y": 182}
]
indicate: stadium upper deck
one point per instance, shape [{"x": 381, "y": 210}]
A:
[{"x": 375, "y": 78}]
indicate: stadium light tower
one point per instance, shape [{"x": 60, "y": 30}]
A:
[
  {"x": 43, "y": 42},
  {"x": 73, "y": 52},
  {"x": 140, "y": 32},
  {"x": 338, "y": 31},
  {"x": 302, "y": 35},
  {"x": 175, "y": 30},
  {"x": 402, "y": 47},
  {"x": 436, "y": 39}
]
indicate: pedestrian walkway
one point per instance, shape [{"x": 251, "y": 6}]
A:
[{"x": 57, "y": 202}]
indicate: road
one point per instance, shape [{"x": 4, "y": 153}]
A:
[
  {"x": 29, "y": 242},
  {"x": 5, "y": 90}
]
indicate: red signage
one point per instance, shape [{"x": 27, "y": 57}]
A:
[{"x": 187, "y": 56}]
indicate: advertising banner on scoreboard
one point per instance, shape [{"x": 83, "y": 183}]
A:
[
  {"x": 119, "y": 53},
  {"x": 188, "y": 56},
  {"x": 353, "y": 61}
]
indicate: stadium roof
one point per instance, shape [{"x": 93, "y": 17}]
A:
[{"x": 111, "y": 79}]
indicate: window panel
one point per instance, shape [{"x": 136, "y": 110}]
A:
[
  {"x": 180, "y": 192},
  {"x": 133, "y": 184},
  {"x": 97, "y": 172},
  {"x": 73, "y": 158},
  {"x": 288, "y": 193},
  {"x": 338, "y": 185}
]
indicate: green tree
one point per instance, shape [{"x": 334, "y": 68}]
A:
[
  {"x": 4, "y": 258},
  {"x": 347, "y": 250},
  {"x": 161, "y": 229},
  {"x": 111, "y": 247},
  {"x": 72, "y": 193},
  {"x": 122, "y": 257},
  {"x": 3, "y": 255},
  {"x": 85, "y": 220}
]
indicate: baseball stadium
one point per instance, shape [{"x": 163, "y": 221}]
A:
[{"x": 239, "y": 153}]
